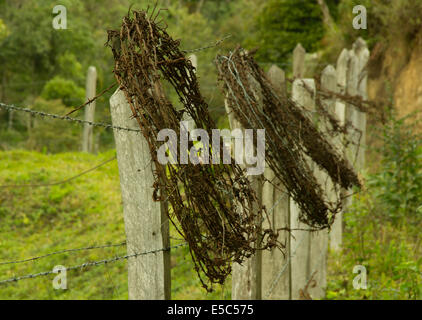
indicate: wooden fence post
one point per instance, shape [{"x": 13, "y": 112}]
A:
[
  {"x": 336, "y": 234},
  {"x": 300, "y": 240},
  {"x": 91, "y": 84},
  {"x": 246, "y": 278},
  {"x": 362, "y": 52},
  {"x": 186, "y": 117},
  {"x": 319, "y": 240},
  {"x": 276, "y": 201},
  {"x": 148, "y": 274},
  {"x": 351, "y": 110},
  {"x": 299, "y": 61}
]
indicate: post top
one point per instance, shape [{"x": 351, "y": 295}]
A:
[
  {"x": 299, "y": 49},
  {"x": 329, "y": 70}
]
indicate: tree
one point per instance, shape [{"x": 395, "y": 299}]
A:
[{"x": 282, "y": 24}]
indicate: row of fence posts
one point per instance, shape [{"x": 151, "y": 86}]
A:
[{"x": 299, "y": 274}]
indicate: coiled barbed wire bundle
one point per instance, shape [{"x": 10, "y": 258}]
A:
[
  {"x": 212, "y": 206},
  {"x": 291, "y": 138}
]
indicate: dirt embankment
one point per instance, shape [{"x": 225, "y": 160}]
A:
[{"x": 396, "y": 73}]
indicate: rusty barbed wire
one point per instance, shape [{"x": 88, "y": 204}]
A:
[
  {"x": 93, "y": 247},
  {"x": 212, "y": 206},
  {"x": 292, "y": 139},
  {"x": 65, "y": 118},
  {"x": 90, "y": 264}
]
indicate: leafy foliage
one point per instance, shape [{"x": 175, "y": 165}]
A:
[
  {"x": 283, "y": 24},
  {"x": 398, "y": 185},
  {"x": 64, "y": 89},
  {"x": 389, "y": 252}
]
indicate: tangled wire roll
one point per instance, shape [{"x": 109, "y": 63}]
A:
[
  {"x": 291, "y": 138},
  {"x": 212, "y": 206}
]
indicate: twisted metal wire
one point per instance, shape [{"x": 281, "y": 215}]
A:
[
  {"x": 90, "y": 264},
  {"x": 65, "y": 118}
]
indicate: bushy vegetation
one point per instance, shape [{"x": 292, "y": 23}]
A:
[
  {"x": 44, "y": 69},
  {"x": 382, "y": 228}
]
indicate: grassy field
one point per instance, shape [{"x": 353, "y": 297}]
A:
[{"x": 86, "y": 211}]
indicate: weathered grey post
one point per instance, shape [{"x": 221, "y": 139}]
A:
[
  {"x": 144, "y": 220},
  {"x": 194, "y": 59},
  {"x": 91, "y": 84},
  {"x": 352, "y": 79},
  {"x": 299, "y": 61},
  {"x": 351, "y": 110},
  {"x": 336, "y": 234},
  {"x": 300, "y": 240},
  {"x": 362, "y": 53},
  {"x": 352, "y": 116},
  {"x": 276, "y": 201},
  {"x": 319, "y": 240},
  {"x": 246, "y": 278}
]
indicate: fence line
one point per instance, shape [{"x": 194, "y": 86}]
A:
[
  {"x": 299, "y": 70},
  {"x": 90, "y": 264}
]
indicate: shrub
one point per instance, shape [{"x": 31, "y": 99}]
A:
[
  {"x": 398, "y": 184},
  {"x": 66, "y": 90},
  {"x": 382, "y": 226},
  {"x": 52, "y": 135}
]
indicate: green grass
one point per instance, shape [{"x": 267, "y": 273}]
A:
[
  {"x": 391, "y": 252},
  {"x": 86, "y": 211}
]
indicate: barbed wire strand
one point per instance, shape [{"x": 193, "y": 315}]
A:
[
  {"x": 92, "y": 99},
  {"x": 59, "y": 182},
  {"x": 65, "y": 118},
  {"x": 216, "y": 44},
  {"x": 93, "y": 247},
  {"x": 283, "y": 268},
  {"x": 90, "y": 264}
]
